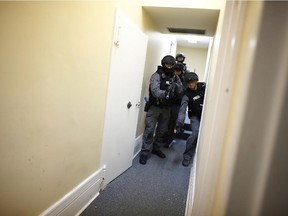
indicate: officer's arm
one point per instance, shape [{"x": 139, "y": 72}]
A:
[
  {"x": 155, "y": 86},
  {"x": 179, "y": 86},
  {"x": 182, "y": 111}
]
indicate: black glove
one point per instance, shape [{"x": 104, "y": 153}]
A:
[
  {"x": 169, "y": 94},
  {"x": 173, "y": 86}
]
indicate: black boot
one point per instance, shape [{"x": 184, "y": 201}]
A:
[
  {"x": 143, "y": 159},
  {"x": 186, "y": 162},
  {"x": 159, "y": 153}
]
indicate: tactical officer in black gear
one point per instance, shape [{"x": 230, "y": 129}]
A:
[
  {"x": 175, "y": 107},
  {"x": 193, "y": 98},
  {"x": 163, "y": 86},
  {"x": 179, "y": 68},
  {"x": 180, "y": 57}
]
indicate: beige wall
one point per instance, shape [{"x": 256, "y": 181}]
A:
[
  {"x": 54, "y": 63},
  {"x": 195, "y": 59},
  {"x": 54, "y": 68}
]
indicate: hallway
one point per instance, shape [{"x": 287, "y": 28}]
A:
[{"x": 158, "y": 188}]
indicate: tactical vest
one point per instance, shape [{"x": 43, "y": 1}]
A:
[
  {"x": 196, "y": 99},
  {"x": 165, "y": 81}
]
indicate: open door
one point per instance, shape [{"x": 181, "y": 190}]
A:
[{"x": 124, "y": 96}]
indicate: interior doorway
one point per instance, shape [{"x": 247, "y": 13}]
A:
[{"x": 122, "y": 109}]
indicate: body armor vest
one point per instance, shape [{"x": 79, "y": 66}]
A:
[
  {"x": 165, "y": 81},
  {"x": 196, "y": 99}
]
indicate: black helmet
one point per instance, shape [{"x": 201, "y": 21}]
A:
[
  {"x": 179, "y": 66},
  {"x": 168, "y": 59},
  {"x": 191, "y": 76},
  {"x": 180, "y": 55}
]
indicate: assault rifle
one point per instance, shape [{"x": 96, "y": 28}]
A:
[{"x": 169, "y": 94}]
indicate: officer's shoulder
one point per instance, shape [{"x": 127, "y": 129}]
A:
[
  {"x": 156, "y": 75},
  {"x": 202, "y": 85},
  {"x": 159, "y": 70}
]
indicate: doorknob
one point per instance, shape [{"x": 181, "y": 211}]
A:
[{"x": 129, "y": 104}]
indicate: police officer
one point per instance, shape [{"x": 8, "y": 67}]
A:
[
  {"x": 180, "y": 57},
  {"x": 193, "y": 98},
  {"x": 179, "y": 71},
  {"x": 163, "y": 85},
  {"x": 179, "y": 67}
]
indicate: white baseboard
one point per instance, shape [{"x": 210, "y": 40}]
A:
[
  {"x": 137, "y": 145},
  {"x": 79, "y": 198},
  {"x": 191, "y": 189}
]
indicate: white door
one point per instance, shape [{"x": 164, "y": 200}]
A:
[{"x": 125, "y": 83}]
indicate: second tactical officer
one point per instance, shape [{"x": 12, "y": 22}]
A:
[
  {"x": 163, "y": 85},
  {"x": 193, "y": 98},
  {"x": 175, "y": 107},
  {"x": 180, "y": 57}
]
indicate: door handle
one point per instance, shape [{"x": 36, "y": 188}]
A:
[{"x": 129, "y": 104}]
